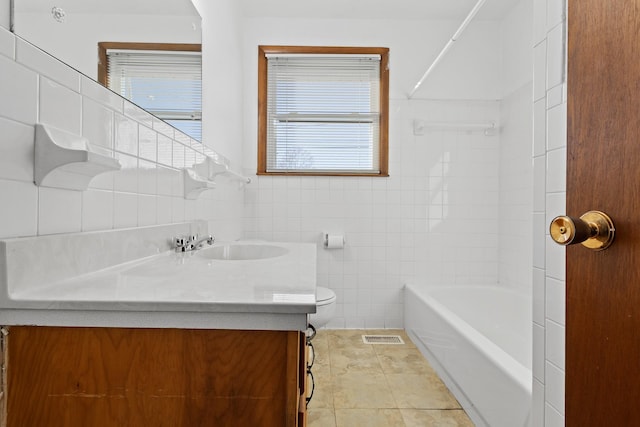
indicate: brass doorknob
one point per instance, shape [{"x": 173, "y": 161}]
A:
[{"x": 594, "y": 229}]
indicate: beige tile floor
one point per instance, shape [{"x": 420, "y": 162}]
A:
[{"x": 368, "y": 385}]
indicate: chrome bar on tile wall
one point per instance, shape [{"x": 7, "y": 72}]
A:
[{"x": 420, "y": 127}]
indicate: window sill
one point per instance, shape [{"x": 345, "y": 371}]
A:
[{"x": 378, "y": 174}]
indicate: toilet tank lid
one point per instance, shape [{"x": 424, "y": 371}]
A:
[{"x": 324, "y": 294}]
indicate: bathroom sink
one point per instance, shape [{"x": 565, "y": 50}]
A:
[{"x": 242, "y": 252}]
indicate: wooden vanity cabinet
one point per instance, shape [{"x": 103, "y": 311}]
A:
[{"x": 59, "y": 376}]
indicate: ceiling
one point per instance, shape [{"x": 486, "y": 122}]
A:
[
  {"x": 375, "y": 9},
  {"x": 330, "y": 9},
  {"x": 134, "y": 7}
]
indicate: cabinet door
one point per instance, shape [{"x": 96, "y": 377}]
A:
[{"x": 111, "y": 377}]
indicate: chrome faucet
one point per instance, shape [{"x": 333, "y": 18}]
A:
[{"x": 192, "y": 242}]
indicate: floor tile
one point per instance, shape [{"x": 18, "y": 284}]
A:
[
  {"x": 321, "y": 417},
  {"x": 362, "y": 391},
  {"x": 369, "y": 418},
  {"x": 352, "y": 360},
  {"x": 345, "y": 338},
  {"x": 369, "y": 385},
  {"x": 435, "y": 418},
  {"x": 323, "y": 392},
  {"x": 421, "y": 392},
  {"x": 402, "y": 360}
]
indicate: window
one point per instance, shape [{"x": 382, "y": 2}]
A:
[
  {"x": 323, "y": 110},
  {"x": 164, "y": 79}
]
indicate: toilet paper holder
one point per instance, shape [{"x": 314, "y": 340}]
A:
[{"x": 333, "y": 241}]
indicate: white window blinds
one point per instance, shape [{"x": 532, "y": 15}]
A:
[
  {"x": 166, "y": 83},
  {"x": 323, "y": 113}
]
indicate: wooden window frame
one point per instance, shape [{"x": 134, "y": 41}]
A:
[
  {"x": 104, "y": 46},
  {"x": 263, "y": 51}
]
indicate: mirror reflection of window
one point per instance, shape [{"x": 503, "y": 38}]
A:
[{"x": 164, "y": 79}]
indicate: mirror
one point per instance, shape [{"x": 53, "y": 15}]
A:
[{"x": 70, "y": 30}]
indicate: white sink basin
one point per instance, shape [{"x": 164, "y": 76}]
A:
[{"x": 243, "y": 252}]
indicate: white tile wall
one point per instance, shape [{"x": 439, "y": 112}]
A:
[
  {"x": 556, "y": 172},
  {"x": 94, "y": 90},
  {"x": 97, "y": 210},
  {"x": 19, "y": 210},
  {"x": 554, "y": 387},
  {"x": 549, "y": 261},
  {"x": 97, "y": 126},
  {"x": 7, "y": 45},
  {"x": 555, "y": 300},
  {"x": 537, "y": 405},
  {"x": 552, "y": 418},
  {"x": 16, "y": 150},
  {"x": 125, "y": 208},
  {"x": 126, "y": 134},
  {"x": 433, "y": 220},
  {"x": 60, "y": 106},
  {"x": 37, "y": 88},
  {"x": 556, "y": 124},
  {"x": 539, "y": 71},
  {"x": 60, "y": 211},
  {"x": 555, "y": 56},
  {"x": 539, "y": 127},
  {"x": 147, "y": 210},
  {"x": 554, "y": 344},
  {"x": 20, "y": 85},
  {"x": 539, "y": 298},
  {"x": 147, "y": 144}
]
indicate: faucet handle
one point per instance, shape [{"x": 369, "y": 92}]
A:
[{"x": 181, "y": 243}]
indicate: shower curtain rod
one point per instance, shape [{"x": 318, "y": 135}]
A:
[{"x": 450, "y": 43}]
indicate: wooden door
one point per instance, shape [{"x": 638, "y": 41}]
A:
[{"x": 603, "y": 173}]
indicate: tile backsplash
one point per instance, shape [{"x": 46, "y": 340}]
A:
[{"x": 148, "y": 190}]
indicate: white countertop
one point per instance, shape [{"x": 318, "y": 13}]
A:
[{"x": 176, "y": 290}]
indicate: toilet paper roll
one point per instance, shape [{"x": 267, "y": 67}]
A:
[{"x": 334, "y": 241}]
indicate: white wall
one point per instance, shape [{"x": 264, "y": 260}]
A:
[
  {"x": 516, "y": 142},
  {"x": 549, "y": 160},
  {"x": 223, "y": 84},
  {"x": 516, "y": 38},
  {"x": 75, "y": 41},
  {"x": 5, "y": 13}
]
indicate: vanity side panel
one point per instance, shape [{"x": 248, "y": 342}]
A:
[
  {"x": 3, "y": 375},
  {"x": 141, "y": 377}
]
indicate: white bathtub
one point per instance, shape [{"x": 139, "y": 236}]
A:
[{"x": 478, "y": 339}]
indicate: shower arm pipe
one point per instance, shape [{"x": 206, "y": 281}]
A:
[{"x": 450, "y": 43}]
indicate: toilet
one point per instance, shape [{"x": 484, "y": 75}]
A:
[{"x": 325, "y": 307}]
